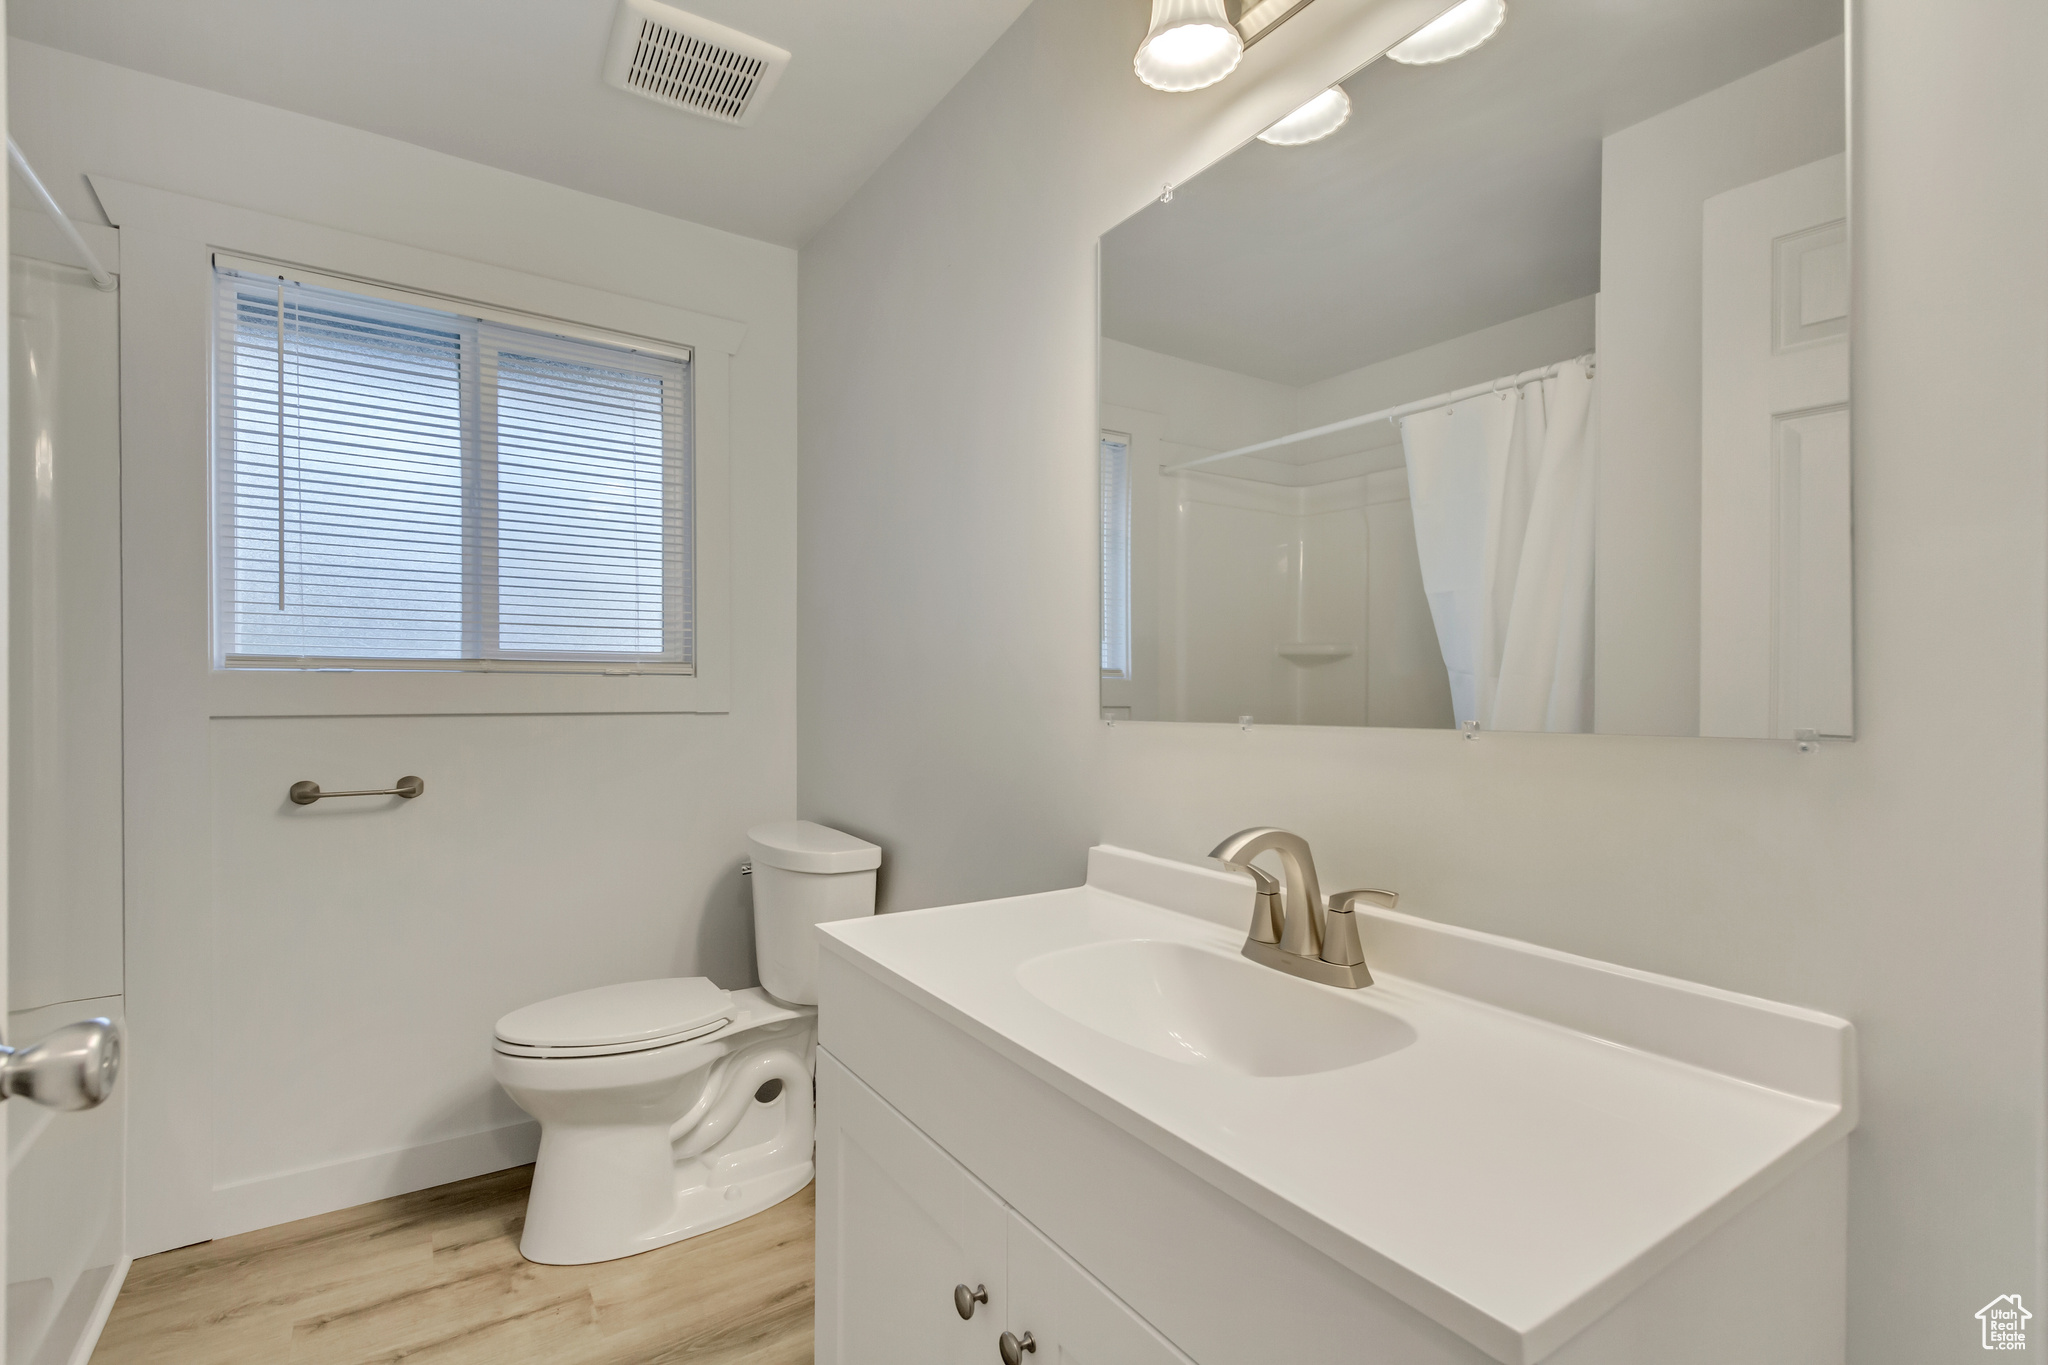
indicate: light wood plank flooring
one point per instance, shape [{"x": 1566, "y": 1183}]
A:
[{"x": 435, "y": 1278}]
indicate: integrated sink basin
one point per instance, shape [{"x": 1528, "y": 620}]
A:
[{"x": 1195, "y": 1005}]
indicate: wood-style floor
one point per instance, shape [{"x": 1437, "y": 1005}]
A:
[{"x": 435, "y": 1278}]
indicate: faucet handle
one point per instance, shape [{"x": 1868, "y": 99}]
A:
[{"x": 1340, "y": 929}]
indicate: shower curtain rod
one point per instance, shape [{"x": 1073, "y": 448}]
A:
[
  {"x": 100, "y": 276},
  {"x": 1392, "y": 414}
]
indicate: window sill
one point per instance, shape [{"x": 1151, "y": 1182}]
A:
[
  {"x": 246, "y": 691},
  {"x": 248, "y": 663}
]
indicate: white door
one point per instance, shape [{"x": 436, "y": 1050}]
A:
[
  {"x": 1061, "y": 1315},
  {"x": 64, "y": 1173},
  {"x": 1775, "y": 601},
  {"x": 906, "y": 1239}
]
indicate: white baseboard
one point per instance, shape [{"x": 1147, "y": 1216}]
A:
[{"x": 270, "y": 1200}]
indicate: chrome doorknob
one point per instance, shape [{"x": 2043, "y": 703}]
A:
[
  {"x": 1013, "y": 1347},
  {"x": 964, "y": 1298},
  {"x": 73, "y": 1068}
]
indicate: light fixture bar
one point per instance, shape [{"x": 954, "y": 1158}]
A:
[{"x": 1262, "y": 18}]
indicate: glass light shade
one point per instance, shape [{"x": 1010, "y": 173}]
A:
[
  {"x": 1452, "y": 34},
  {"x": 1319, "y": 118},
  {"x": 1192, "y": 43}
]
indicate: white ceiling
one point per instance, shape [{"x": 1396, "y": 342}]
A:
[
  {"x": 1457, "y": 197},
  {"x": 514, "y": 84}
]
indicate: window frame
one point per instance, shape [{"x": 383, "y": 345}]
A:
[
  {"x": 174, "y": 239},
  {"x": 484, "y": 332}
]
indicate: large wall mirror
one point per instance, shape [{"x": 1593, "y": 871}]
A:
[{"x": 1518, "y": 401}]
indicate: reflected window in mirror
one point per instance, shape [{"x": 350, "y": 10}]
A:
[
  {"x": 1116, "y": 554},
  {"x": 1520, "y": 400}
]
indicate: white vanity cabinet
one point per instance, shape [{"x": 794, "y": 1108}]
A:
[
  {"x": 1149, "y": 1149},
  {"x": 1072, "y": 1317},
  {"x": 901, "y": 1225}
]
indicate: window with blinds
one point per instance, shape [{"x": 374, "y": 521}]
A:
[
  {"x": 1116, "y": 555},
  {"x": 400, "y": 486}
]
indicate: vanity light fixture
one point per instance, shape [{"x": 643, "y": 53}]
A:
[
  {"x": 1192, "y": 44},
  {"x": 1317, "y": 119},
  {"x": 1452, "y": 34}
]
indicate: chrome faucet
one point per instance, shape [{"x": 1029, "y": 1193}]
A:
[{"x": 1291, "y": 929}]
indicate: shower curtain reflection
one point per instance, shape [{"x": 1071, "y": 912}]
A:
[{"x": 1502, "y": 487}]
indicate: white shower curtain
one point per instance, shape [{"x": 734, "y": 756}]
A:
[{"x": 1502, "y": 489}]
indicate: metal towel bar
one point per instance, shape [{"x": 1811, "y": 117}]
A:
[{"x": 306, "y": 793}]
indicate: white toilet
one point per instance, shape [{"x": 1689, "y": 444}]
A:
[{"x": 669, "y": 1108}]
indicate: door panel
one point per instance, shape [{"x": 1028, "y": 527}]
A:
[
  {"x": 64, "y": 1254},
  {"x": 900, "y": 1223},
  {"x": 65, "y": 1169},
  {"x": 64, "y": 676},
  {"x": 1775, "y": 602},
  {"x": 1071, "y": 1317}
]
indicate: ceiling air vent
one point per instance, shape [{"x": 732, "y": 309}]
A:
[{"x": 690, "y": 63}]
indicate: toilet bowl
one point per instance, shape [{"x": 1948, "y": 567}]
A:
[
  {"x": 669, "y": 1108},
  {"x": 645, "y": 1143}
]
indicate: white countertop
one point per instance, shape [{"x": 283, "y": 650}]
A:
[{"x": 1508, "y": 1175}]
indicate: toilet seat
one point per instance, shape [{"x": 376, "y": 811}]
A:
[{"x": 633, "y": 1016}]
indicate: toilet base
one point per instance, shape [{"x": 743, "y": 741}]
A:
[
  {"x": 700, "y": 1208},
  {"x": 707, "y": 1208},
  {"x": 643, "y": 1150}
]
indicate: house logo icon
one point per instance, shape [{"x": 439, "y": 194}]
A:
[{"x": 2005, "y": 1323}]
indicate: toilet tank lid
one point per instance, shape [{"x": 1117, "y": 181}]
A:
[
  {"x": 800, "y": 846},
  {"x": 631, "y": 1012}
]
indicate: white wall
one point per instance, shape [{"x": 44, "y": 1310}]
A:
[
  {"x": 949, "y": 631},
  {"x": 1206, "y": 408},
  {"x": 948, "y": 519},
  {"x": 359, "y": 959},
  {"x": 1556, "y": 333},
  {"x": 1655, "y": 178}
]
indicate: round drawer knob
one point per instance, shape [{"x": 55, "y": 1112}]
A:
[
  {"x": 964, "y": 1298},
  {"x": 1014, "y": 1347}
]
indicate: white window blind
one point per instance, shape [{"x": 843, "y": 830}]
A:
[
  {"x": 400, "y": 486},
  {"x": 1116, "y": 555}
]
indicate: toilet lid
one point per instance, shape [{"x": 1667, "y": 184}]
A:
[
  {"x": 800, "y": 846},
  {"x": 632, "y": 1012}
]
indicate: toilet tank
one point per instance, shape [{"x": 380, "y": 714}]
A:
[{"x": 804, "y": 874}]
